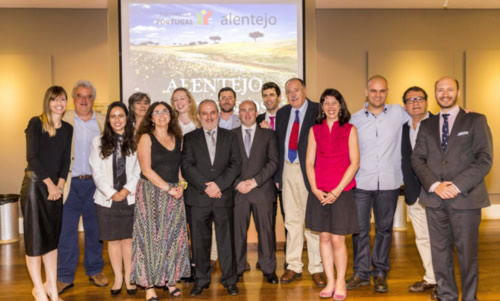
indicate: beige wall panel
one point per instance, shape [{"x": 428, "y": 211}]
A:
[
  {"x": 407, "y": 68},
  {"x": 345, "y": 36},
  {"x": 483, "y": 96},
  {"x": 23, "y": 82},
  {"x": 75, "y": 38}
]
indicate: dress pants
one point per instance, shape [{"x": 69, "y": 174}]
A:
[
  {"x": 384, "y": 204},
  {"x": 262, "y": 212},
  {"x": 450, "y": 227},
  {"x": 201, "y": 233},
  {"x": 418, "y": 218},
  {"x": 80, "y": 201},
  {"x": 295, "y": 196}
]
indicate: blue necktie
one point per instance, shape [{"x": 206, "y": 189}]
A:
[{"x": 445, "y": 132}]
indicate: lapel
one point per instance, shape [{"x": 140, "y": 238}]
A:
[
  {"x": 310, "y": 115},
  {"x": 436, "y": 131},
  {"x": 258, "y": 132},
  {"x": 284, "y": 121},
  {"x": 240, "y": 142},
  {"x": 219, "y": 145},
  {"x": 455, "y": 129},
  {"x": 203, "y": 143}
]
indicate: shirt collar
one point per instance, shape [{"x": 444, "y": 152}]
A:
[
  {"x": 253, "y": 127},
  {"x": 453, "y": 112},
  {"x": 92, "y": 118},
  {"x": 410, "y": 122},
  {"x": 367, "y": 113}
]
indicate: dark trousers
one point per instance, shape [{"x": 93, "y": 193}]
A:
[
  {"x": 450, "y": 227},
  {"x": 263, "y": 217},
  {"x": 384, "y": 204},
  {"x": 80, "y": 201},
  {"x": 275, "y": 212},
  {"x": 201, "y": 233}
]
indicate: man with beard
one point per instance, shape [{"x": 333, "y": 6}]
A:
[
  {"x": 210, "y": 163},
  {"x": 452, "y": 155},
  {"x": 227, "y": 100}
]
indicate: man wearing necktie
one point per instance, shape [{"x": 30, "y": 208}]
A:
[
  {"x": 452, "y": 155},
  {"x": 293, "y": 122},
  {"x": 271, "y": 97},
  {"x": 255, "y": 191},
  {"x": 210, "y": 163}
]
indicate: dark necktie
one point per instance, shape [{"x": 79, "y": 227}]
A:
[
  {"x": 445, "y": 132},
  {"x": 294, "y": 138}
]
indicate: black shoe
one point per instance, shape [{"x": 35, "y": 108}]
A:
[
  {"x": 240, "y": 278},
  {"x": 232, "y": 289},
  {"x": 355, "y": 282},
  {"x": 198, "y": 290},
  {"x": 257, "y": 266},
  {"x": 380, "y": 284},
  {"x": 132, "y": 291},
  {"x": 116, "y": 292},
  {"x": 271, "y": 278}
]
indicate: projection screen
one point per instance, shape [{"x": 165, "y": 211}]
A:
[{"x": 205, "y": 46}]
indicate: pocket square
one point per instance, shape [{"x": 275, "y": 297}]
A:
[{"x": 463, "y": 133}]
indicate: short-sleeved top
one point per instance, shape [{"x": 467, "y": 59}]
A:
[
  {"x": 48, "y": 157},
  {"x": 332, "y": 155},
  {"x": 164, "y": 162}
]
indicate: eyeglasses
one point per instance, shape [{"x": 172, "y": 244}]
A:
[
  {"x": 157, "y": 113},
  {"x": 418, "y": 99}
]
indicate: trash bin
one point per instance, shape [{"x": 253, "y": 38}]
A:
[{"x": 9, "y": 218}]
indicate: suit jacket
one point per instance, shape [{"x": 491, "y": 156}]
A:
[
  {"x": 467, "y": 160},
  {"x": 102, "y": 173},
  {"x": 261, "y": 118},
  {"x": 411, "y": 182},
  {"x": 198, "y": 170},
  {"x": 282, "y": 118},
  {"x": 261, "y": 165},
  {"x": 69, "y": 117}
]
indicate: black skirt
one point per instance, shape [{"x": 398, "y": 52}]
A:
[
  {"x": 117, "y": 222},
  {"x": 42, "y": 218},
  {"x": 339, "y": 218}
]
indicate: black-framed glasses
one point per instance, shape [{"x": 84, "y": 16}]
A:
[{"x": 418, "y": 99}]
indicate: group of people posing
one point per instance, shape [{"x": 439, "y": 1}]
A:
[{"x": 172, "y": 187}]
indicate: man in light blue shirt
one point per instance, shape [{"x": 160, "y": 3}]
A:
[
  {"x": 378, "y": 182},
  {"x": 227, "y": 100},
  {"x": 87, "y": 124}
]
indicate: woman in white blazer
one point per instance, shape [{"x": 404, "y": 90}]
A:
[{"x": 115, "y": 170}]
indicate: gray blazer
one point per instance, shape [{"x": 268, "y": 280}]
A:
[{"x": 467, "y": 160}]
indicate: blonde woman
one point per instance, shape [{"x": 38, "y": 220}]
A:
[
  {"x": 185, "y": 106},
  {"x": 48, "y": 152}
]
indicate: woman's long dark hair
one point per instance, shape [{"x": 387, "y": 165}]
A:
[
  {"x": 147, "y": 126},
  {"x": 344, "y": 115},
  {"x": 108, "y": 141}
]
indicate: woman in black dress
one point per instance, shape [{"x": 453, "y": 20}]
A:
[
  {"x": 116, "y": 171},
  {"x": 48, "y": 152},
  {"x": 160, "y": 249}
]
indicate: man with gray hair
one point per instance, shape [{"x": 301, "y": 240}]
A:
[{"x": 87, "y": 124}]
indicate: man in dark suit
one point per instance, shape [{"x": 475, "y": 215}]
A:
[
  {"x": 415, "y": 102},
  {"x": 293, "y": 122},
  {"x": 255, "y": 191},
  {"x": 210, "y": 163},
  {"x": 271, "y": 97},
  {"x": 452, "y": 155}
]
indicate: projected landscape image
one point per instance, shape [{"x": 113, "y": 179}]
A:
[{"x": 207, "y": 47}]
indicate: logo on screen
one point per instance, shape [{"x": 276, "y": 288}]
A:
[{"x": 203, "y": 17}]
